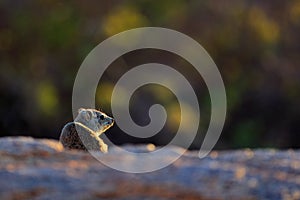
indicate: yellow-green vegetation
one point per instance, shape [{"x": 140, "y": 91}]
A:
[
  {"x": 47, "y": 98},
  {"x": 255, "y": 44}
]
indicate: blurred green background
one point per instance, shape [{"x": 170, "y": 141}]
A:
[{"x": 255, "y": 44}]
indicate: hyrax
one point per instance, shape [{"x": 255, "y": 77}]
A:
[{"x": 84, "y": 132}]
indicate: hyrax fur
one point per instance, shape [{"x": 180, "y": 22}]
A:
[{"x": 84, "y": 132}]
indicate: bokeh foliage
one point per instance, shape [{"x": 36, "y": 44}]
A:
[{"x": 255, "y": 44}]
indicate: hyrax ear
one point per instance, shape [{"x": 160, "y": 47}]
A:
[
  {"x": 87, "y": 115},
  {"x": 80, "y": 109}
]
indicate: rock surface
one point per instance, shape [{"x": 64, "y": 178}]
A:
[{"x": 42, "y": 169}]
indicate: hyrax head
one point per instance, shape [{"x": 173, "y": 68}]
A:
[{"x": 97, "y": 121}]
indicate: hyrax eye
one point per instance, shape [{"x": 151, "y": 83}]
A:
[{"x": 102, "y": 117}]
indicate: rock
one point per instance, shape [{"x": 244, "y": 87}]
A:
[{"x": 41, "y": 169}]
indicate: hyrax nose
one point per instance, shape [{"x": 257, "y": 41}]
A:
[{"x": 112, "y": 120}]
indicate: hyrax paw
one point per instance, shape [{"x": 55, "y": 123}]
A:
[{"x": 104, "y": 148}]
